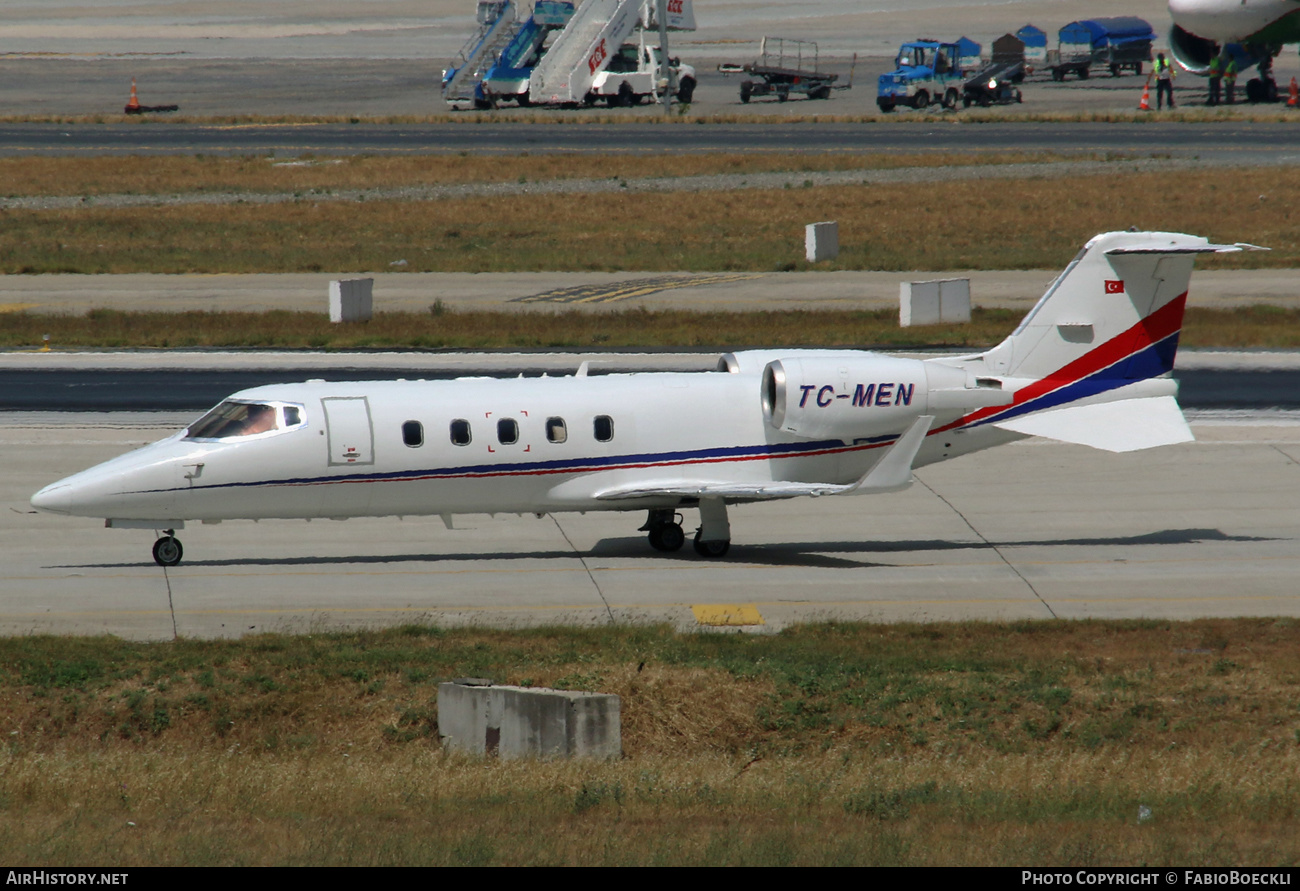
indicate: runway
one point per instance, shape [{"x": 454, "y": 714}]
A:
[
  {"x": 1034, "y": 530},
  {"x": 1241, "y": 143}
]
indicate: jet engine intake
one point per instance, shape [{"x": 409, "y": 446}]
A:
[
  {"x": 1194, "y": 53},
  {"x": 843, "y": 398}
]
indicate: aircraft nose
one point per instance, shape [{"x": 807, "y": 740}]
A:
[{"x": 55, "y": 498}]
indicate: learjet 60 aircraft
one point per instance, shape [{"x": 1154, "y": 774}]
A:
[{"x": 1090, "y": 364}]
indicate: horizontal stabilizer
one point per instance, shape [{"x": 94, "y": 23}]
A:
[{"x": 1124, "y": 426}]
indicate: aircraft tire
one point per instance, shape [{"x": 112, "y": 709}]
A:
[
  {"x": 167, "y": 551},
  {"x": 714, "y": 550},
  {"x": 668, "y": 537}
]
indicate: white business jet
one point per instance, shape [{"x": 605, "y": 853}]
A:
[
  {"x": 1090, "y": 364},
  {"x": 1254, "y": 31}
]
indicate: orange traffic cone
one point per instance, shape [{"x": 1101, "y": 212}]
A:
[
  {"x": 132, "y": 104},
  {"x": 1294, "y": 99},
  {"x": 1145, "y": 104}
]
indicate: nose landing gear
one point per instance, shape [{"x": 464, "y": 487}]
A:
[{"x": 167, "y": 550}]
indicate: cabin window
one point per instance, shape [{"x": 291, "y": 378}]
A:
[
  {"x": 555, "y": 430},
  {"x": 413, "y": 434},
  {"x": 603, "y": 427},
  {"x": 460, "y": 432},
  {"x": 507, "y": 431}
]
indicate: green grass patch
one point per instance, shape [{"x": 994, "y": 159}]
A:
[{"x": 946, "y": 743}]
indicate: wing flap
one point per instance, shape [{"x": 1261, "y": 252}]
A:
[
  {"x": 892, "y": 472},
  {"x": 1125, "y": 426}
]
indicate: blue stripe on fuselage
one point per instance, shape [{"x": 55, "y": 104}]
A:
[
  {"x": 1150, "y": 362},
  {"x": 768, "y": 451}
]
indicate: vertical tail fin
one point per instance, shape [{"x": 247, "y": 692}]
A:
[
  {"x": 1117, "y": 307},
  {"x": 1083, "y": 360}
]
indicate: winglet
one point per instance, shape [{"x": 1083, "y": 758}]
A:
[{"x": 893, "y": 471}]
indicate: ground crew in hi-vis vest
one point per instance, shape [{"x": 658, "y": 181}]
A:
[
  {"x": 1164, "y": 81},
  {"x": 1230, "y": 79},
  {"x": 1216, "y": 78}
]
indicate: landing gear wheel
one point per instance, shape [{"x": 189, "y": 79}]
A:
[
  {"x": 711, "y": 549},
  {"x": 668, "y": 537},
  {"x": 167, "y": 551}
]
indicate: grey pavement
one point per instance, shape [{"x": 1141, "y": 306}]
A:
[
  {"x": 1028, "y": 531},
  {"x": 529, "y": 291}
]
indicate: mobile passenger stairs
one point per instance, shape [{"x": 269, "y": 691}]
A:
[
  {"x": 509, "y": 78},
  {"x": 577, "y": 67},
  {"x": 498, "y": 24},
  {"x": 790, "y": 66}
]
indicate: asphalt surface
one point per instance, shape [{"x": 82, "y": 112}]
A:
[
  {"x": 1033, "y": 530},
  {"x": 66, "y": 390},
  {"x": 1248, "y": 143}
]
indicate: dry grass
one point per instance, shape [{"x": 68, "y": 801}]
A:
[
  {"x": 491, "y": 330},
  {"x": 983, "y": 224},
  {"x": 955, "y": 744},
  {"x": 107, "y": 175},
  {"x": 1252, "y": 326}
]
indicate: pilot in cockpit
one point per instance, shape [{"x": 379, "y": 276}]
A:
[{"x": 261, "y": 418}]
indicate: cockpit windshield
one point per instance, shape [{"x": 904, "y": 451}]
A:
[{"x": 233, "y": 419}]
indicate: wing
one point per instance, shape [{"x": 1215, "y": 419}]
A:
[{"x": 891, "y": 473}]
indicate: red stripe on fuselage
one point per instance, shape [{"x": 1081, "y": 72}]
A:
[{"x": 1165, "y": 321}]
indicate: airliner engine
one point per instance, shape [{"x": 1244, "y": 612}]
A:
[{"x": 1194, "y": 53}]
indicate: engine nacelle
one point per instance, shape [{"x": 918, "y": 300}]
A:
[
  {"x": 843, "y": 398},
  {"x": 1194, "y": 53},
  {"x": 857, "y": 397}
]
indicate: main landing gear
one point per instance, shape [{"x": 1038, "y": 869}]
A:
[
  {"x": 665, "y": 528},
  {"x": 167, "y": 551},
  {"x": 712, "y": 539}
]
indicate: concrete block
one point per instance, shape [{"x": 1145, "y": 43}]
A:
[
  {"x": 933, "y": 302},
  {"x": 351, "y": 300},
  {"x": 822, "y": 241},
  {"x": 529, "y": 722}
]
